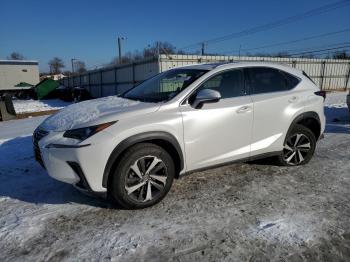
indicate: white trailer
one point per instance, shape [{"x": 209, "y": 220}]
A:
[{"x": 15, "y": 72}]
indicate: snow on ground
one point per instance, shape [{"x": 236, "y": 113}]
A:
[
  {"x": 241, "y": 212},
  {"x": 30, "y": 106},
  {"x": 336, "y": 99}
]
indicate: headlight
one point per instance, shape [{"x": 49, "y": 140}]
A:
[{"x": 85, "y": 132}]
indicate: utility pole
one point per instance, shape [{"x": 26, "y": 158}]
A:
[
  {"x": 158, "y": 48},
  {"x": 203, "y": 47},
  {"x": 72, "y": 60},
  {"x": 239, "y": 51},
  {"x": 158, "y": 52},
  {"x": 120, "y": 48}
]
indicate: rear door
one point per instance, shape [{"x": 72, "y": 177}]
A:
[
  {"x": 275, "y": 104},
  {"x": 219, "y": 132}
]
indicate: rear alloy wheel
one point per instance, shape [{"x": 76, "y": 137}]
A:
[
  {"x": 299, "y": 147},
  {"x": 143, "y": 177}
]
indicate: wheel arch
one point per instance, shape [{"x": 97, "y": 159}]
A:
[
  {"x": 310, "y": 120},
  {"x": 163, "y": 139}
]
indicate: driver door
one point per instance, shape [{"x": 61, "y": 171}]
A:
[{"x": 218, "y": 132}]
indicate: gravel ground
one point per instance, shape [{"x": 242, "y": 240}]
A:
[{"x": 242, "y": 212}]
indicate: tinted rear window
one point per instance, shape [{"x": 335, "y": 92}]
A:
[
  {"x": 291, "y": 80},
  {"x": 267, "y": 80}
]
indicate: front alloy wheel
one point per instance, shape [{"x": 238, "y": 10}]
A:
[
  {"x": 146, "y": 179},
  {"x": 143, "y": 176}
]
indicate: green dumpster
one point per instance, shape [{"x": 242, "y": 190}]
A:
[{"x": 45, "y": 87}]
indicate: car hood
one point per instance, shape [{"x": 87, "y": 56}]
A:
[{"x": 94, "y": 112}]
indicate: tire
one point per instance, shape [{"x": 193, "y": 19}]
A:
[
  {"x": 298, "y": 148},
  {"x": 135, "y": 184}
]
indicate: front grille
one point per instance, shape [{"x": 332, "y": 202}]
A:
[{"x": 37, "y": 136}]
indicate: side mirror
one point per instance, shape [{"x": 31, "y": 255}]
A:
[{"x": 206, "y": 96}]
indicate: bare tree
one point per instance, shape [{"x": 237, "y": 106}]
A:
[
  {"x": 56, "y": 64},
  {"x": 125, "y": 59},
  {"x": 309, "y": 55},
  {"x": 80, "y": 67},
  {"x": 341, "y": 55},
  {"x": 147, "y": 52},
  {"x": 161, "y": 47},
  {"x": 282, "y": 54},
  {"x": 16, "y": 56},
  {"x": 263, "y": 54}
]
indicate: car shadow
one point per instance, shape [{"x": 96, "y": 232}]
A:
[
  {"x": 22, "y": 178},
  {"x": 337, "y": 120}
]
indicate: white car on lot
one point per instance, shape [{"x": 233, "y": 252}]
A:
[{"x": 131, "y": 147}]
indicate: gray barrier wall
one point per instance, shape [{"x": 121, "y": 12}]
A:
[
  {"x": 329, "y": 74},
  {"x": 113, "y": 80}
]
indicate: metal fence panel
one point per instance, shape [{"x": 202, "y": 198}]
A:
[
  {"x": 124, "y": 87},
  {"x": 108, "y": 76},
  {"x": 329, "y": 74},
  {"x": 95, "y": 78},
  {"x": 108, "y": 90},
  {"x": 76, "y": 81},
  {"x": 144, "y": 71}
]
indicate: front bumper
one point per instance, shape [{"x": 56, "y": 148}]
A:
[{"x": 81, "y": 166}]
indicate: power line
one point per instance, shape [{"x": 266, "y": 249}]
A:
[
  {"x": 316, "y": 47},
  {"x": 278, "y": 23},
  {"x": 311, "y": 49},
  {"x": 292, "y": 41},
  {"x": 324, "y": 53},
  {"x": 333, "y": 52},
  {"x": 321, "y": 50}
]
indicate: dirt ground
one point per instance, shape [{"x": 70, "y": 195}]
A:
[{"x": 242, "y": 212}]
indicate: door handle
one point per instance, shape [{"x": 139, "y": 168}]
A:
[
  {"x": 244, "y": 109},
  {"x": 293, "y": 99}
]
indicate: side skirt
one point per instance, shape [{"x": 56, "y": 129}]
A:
[{"x": 243, "y": 160}]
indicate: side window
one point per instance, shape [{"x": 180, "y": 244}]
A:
[
  {"x": 229, "y": 83},
  {"x": 292, "y": 81},
  {"x": 266, "y": 80}
]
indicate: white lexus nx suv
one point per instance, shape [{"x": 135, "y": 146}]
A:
[{"x": 131, "y": 147}]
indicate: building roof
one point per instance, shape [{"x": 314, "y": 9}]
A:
[{"x": 19, "y": 62}]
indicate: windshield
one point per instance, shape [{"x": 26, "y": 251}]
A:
[{"x": 164, "y": 86}]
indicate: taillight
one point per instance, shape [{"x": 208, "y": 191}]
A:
[{"x": 321, "y": 93}]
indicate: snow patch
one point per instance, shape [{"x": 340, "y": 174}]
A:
[
  {"x": 30, "y": 106},
  {"x": 336, "y": 100}
]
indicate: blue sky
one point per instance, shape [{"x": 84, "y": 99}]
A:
[{"x": 88, "y": 30}]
